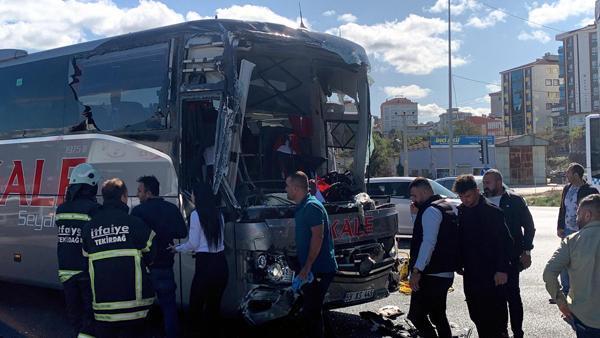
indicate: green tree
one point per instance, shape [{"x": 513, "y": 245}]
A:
[{"x": 380, "y": 161}]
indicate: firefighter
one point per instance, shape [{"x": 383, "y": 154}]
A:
[
  {"x": 118, "y": 247},
  {"x": 71, "y": 216}
]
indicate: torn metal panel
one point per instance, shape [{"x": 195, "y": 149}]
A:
[{"x": 264, "y": 304}]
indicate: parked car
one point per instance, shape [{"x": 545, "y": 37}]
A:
[
  {"x": 448, "y": 182},
  {"x": 397, "y": 189}
]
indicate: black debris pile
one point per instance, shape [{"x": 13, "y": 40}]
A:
[{"x": 390, "y": 321}]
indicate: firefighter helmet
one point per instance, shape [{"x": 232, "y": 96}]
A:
[{"x": 85, "y": 173}]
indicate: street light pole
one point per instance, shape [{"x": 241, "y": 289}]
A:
[
  {"x": 405, "y": 145},
  {"x": 450, "y": 119}
]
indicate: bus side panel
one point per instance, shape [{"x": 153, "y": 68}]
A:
[{"x": 33, "y": 179}]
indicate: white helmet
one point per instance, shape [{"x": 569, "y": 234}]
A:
[{"x": 85, "y": 173}]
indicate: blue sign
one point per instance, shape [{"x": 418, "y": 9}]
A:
[{"x": 460, "y": 140}]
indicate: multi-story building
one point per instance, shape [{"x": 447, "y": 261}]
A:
[
  {"x": 579, "y": 69},
  {"x": 528, "y": 93},
  {"x": 494, "y": 127},
  {"x": 560, "y": 118},
  {"x": 397, "y": 113},
  {"x": 456, "y": 116},
  {"x": 496, "y": 104}
]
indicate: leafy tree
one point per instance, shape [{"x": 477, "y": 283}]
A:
[{"x": 380, "y": 161}]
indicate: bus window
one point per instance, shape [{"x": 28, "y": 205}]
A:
[
  {"x": 125, "y": 90},
  {"x": 31, "y": 95}
]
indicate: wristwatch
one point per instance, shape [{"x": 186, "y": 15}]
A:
[{"x": 528, "y": 252}]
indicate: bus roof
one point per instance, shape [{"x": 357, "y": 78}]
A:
[{"x": 350, "y": 52}]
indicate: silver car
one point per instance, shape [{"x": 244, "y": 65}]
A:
[{"x": 397, "y": 189}]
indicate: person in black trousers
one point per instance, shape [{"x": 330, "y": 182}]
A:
[
  {"x": 433, "y": 259},
  {"x": 520, "y": 223},
  {"x": 211, "y": 274},
  {"x": 165, "y": 220},
  {"x": 484, "y": 258}
]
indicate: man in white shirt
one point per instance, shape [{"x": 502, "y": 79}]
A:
[{"x": 433, "y": 259}]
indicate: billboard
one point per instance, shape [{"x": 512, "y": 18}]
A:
[{"x": 443, "y": 141}]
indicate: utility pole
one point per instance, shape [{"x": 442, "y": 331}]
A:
[
  {"x": 405, "y": 145},
  {"x": 450, "y": 119}
]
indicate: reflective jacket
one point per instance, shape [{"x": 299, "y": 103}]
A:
[
  {"x": 70, "y": 219},
  {"x": 119, "y": 250}
]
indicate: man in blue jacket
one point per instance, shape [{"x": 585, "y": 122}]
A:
[{"x": 166, "y": 221}]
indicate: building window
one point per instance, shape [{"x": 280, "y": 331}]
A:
[
  {"x": 555, "y": 82},
  {"x": 548, "y": 82},
  {"x": 548, "y": 106}
]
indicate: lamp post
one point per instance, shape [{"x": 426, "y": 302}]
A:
[{"x": 451, "y": 126}]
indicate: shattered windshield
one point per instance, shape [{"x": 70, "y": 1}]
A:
[{"x": 124, "y": 90}]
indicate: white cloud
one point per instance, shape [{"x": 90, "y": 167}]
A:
[
  {"x": 492, "y": 18},
  {"x": 537, "y": 35},
  {"x": 586, "y": 22},
  {"x": 456, "y": 6},
  {"x": 257, "y": 13},
  {"x": 475, "y": 111},
  {"x": 491, "y": 88},
  {"x": 191, "y": 16},
  {"x": 430, "y": 112},
  {"x": 328, "y": 13},
  {"x": 558, "y": 11},
  {"x": 415, "y": 45},
  {"x": 24, "y": 25},
  {"x": 410, "y": 91},
  {"x": 347, "y": 17},
  {"x": 484, "y": 99}
]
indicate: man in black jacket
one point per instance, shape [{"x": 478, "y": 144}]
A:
[
  {"x": 520, "y": 224},
  {"x": 166, "y": 221},
  {"x": 572, "y": 194},
  {"x": 119, "y": 249},
  {"x": 433, "y": 259},
  {"x": 484, "y": 257}
]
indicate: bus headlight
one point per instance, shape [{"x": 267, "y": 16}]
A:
[
  {"x": 275, "y": 272},
  {"x": 272, "y": 268},
  {"x": 261, "y": 261}
]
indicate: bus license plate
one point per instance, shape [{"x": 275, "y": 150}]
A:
[{"x": 359, "y": 295}]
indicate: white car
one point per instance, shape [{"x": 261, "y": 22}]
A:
[
  {"x": 397, "y": 189},
  {"x": 448, "y": 183}
]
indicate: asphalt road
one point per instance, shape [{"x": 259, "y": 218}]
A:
[{"x": 34, "y": 312}]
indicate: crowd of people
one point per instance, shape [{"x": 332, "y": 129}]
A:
[
  {"x": 114, "y": 264},
  {"x": 488, "y": 240}
]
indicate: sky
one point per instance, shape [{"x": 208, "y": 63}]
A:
[{"x": 406, "y": 40}]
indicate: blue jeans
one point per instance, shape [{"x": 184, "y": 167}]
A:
[
  {"x": 163, "y": 281},
  {"x": 564, "y": 275},
  {"x": 584, "y": 331}
]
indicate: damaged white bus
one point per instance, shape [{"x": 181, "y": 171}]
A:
[{"x": 265, "y": 98}]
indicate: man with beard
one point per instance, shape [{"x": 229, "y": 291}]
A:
[
  {"x": 579, "y": 254},
  {"x": 520, "y": 224},
  {"x": 433, "y": 259},
  {"x": 484, "y": 257}
]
